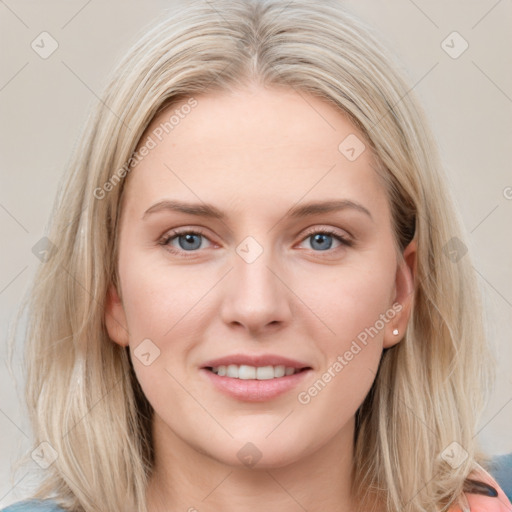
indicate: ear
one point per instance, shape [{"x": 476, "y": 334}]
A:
[
  {"x": 404, "y": 296},
  {"x": 115, "y": 318}
]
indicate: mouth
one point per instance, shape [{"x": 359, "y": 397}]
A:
[{"x": 251, "y": 378}]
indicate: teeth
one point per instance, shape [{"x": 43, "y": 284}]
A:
[
  {"x": 279, "y": 371},
  {"x": 265, "y": 373},
  {"x": 232, "y": 371},
  {"x": 246, "y": 372}
]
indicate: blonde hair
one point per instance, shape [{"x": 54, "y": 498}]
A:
[{"x": 430, "y": 388}]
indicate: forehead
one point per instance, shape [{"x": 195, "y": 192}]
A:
[{"x": 267, "y": 146}]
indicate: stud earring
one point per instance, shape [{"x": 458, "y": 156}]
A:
[{"x": 395, "y": 332}]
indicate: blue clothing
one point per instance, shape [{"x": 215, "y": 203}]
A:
[
  {"x": 501, "y": 470},
  {"x": 33, "y": 506}
]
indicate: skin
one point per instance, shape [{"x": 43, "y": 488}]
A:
[{"x": 255, "y": 153}]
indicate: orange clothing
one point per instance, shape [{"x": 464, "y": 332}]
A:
[{"x": 481, "y": 503}]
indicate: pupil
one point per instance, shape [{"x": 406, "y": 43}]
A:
[
  {"x": 189, "y": 238},
  {"x": 321, "y": 237}
]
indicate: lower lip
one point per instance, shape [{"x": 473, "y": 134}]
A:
[{"x": 253, "y": 390}]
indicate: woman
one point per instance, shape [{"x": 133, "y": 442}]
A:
[{"x": 256, "y": 298}]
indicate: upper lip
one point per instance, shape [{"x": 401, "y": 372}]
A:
[{"x": 255, "y": 360}]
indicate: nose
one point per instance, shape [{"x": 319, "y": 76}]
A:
[{"x": 256, "y": 296}]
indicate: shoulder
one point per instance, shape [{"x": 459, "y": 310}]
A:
[
  {"x": 481, "y": 503},
  {"x": 33, "y": 506},
  {"x": 501, "y": 470}
]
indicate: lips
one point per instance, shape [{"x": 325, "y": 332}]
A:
[{"x": 248, "y": 377}]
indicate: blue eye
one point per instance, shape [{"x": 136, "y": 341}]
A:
[
  {"x": 188, "y": 241},
  {"x": 322, "y": 240}
]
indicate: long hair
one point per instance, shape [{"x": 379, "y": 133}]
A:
[{"x": 430, "y": 389}]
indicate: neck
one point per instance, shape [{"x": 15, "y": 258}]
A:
[{"x": 187, "y": 479}]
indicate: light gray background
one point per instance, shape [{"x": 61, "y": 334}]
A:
[{"x": 44, "y": 102}]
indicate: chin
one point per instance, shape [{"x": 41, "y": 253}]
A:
[{"x": 256, "y": 452}]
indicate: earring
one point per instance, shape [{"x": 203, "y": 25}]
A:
[{"x": 395, "y": 332}]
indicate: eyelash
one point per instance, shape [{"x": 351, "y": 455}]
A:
[{"x": 188, "y": 254}]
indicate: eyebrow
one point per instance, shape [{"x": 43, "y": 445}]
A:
[{"x": 304, "y": 210}]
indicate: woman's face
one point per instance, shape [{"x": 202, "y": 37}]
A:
[{"x": 256, "y": 237}]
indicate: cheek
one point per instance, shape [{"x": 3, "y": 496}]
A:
[
  {"x": 158, "y": 299},
  {"x": 356, "y": 309},
  {"x": 348, "y": 300},
  {"x": 166, "y": 312},
  {"x": 162, "y": 307}
]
